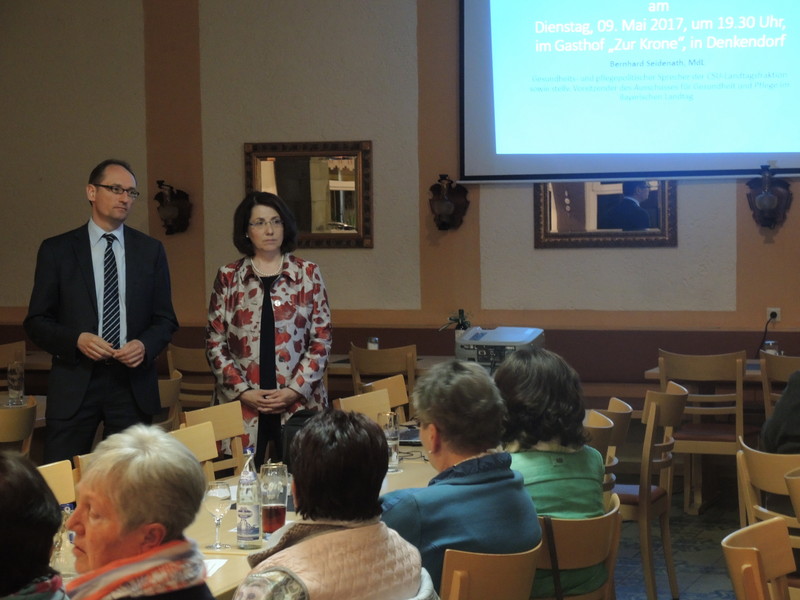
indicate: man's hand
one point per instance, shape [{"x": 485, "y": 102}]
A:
[
  {"x": 131, "y": 354},
  {"x": 94, "y": 347}
]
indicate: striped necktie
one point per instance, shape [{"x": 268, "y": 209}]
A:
[{"x": 110, "y": 294}]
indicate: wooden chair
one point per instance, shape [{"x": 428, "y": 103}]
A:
[
  {"x": 475, "y": 576},
  {"x": 169, "y": 391},
  {"x": 759, "y": 558},
  {"x": 228, "y": 424},
  {"x": 398, "y": 394},
  {"x": 197, "y": 381},
  {"x": 572, "y": 551},
  {"x": 598, "y": 429},
  {"x": 58, "y": 476},
  {"x": 202, "y": 443},
  {"x": 369, "y": 404},
  {"x": 620, "y": 413},
  {"x": 16, "y": 427},
  {"x": 761, "y": 473},
  {"x": 81, "y": 462},
  {"x": 775, "y": 372},
  {"x": 662, "y": 413},
  {"x": 9, "y": 352},
  {"x": 717, "y": 419},
  {"x": 792, "y": 479},
  {"x": 368, "y": 365}
]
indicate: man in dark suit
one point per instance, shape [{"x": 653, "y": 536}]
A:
[
  {"x": 102, "y": 307},
  {"x": 628, "y": 215}
]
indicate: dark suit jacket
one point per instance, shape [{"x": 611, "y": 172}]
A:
[
  {"x": 64, "y": 304},
  {"x": 628, "y": 216}
]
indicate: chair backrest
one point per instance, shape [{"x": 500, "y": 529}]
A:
[
  {"x": 792, "y": 479},
  {"x": 702, "y": 371},
  {"x": 758, "y": 555},
  {"x": 475, "y": 576},
  {"x": 573, "y": 552},
  {"x": 58, "y": 476},
  {"x": 398, "y": 394},
  {"x": 228, "y": 424},
  {"x": 366, "y": 365},
  {"x": 197, "y": 381},
  {"x": 775, "y": 372},
  {"x": 16, "y": 426},
  {"x": 598, "y": 429},
  {"x": 620, "y": 413},
  {"x": 369, "y": 404},
  {"x": 202, "y": 443},
  {"x": 762, "y": 472},
  {"x": 169, "y": 390},
  {"x": 9, "y": 352},
  {"x": 661, "y": 415},
  {"x": 81, "y": 462}
]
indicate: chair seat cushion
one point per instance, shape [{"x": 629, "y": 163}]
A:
[
  {"x": 629, "y": 493},
  {"x": 712, "y": 432}
]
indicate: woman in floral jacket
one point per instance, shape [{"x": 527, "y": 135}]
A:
[{"x": 270, "y": 355}]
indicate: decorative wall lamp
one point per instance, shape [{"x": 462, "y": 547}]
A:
[
  {"x": 769, "y": 198},
  {"x": 174, "y": 208},
  {"x": 448, "y": 203}
]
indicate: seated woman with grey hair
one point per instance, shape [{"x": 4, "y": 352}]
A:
[
  {"x": 476, "y": 503},
  {"x": 339, "y": 549},
  {"x": 141, "y": 489}
]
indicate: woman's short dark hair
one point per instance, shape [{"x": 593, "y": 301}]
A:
[
  {"x": 241, "y": 221},
  {"x": 461, "y": 399},
  {"x": 339, "y": 460},
  {"x": 29, "y": 519},
  {"x": 544, "y": 398}
]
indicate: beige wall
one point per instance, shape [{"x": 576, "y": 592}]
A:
[{"x": 383, "y": 70}]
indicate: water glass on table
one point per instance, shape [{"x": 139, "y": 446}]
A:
[
  {"x": 274, "y": 480},
  {"x": 16, "y": 383},
  {"x": 388, "y": 422},
  {"x": 217, "y": 501}
]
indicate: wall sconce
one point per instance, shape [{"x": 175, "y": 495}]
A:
[
  {"x": 769, "y": 198},
  {"x": 448, "y": 203},
  {"x": 174, "y": 208}
]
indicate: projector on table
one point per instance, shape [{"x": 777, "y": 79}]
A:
[{"x": 489, "y": 347}]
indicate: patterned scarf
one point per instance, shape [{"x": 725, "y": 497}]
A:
[
  {"x": 47, "y": 587},
  {"x": 173, "y": 566}
]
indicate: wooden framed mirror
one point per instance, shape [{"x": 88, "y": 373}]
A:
[
  {"x": 327, "y": 185},
  {"x": 579, "y": 215}
]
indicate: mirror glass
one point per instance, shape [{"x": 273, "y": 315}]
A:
[
  {"x": 327, "y": 185},
  {"x": 598, "y": 214}
]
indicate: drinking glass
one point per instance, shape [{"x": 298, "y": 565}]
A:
[
  {"x": 274, "y": 480},
  {"x": 16, "y": 383},
  {"x": 217, "y": 501},
  {"x": 388, "y": 422}
]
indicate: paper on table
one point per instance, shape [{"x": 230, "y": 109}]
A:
[{"x": 213, "y": 565}]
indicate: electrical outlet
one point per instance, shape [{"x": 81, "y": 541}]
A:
[{"x": 777, "y": 311}]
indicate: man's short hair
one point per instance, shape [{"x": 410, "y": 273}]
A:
[
  {"x": 629, "y": 188},
  {"x": 463, "y": 402},
  {"x": 339, "y": 460},
  {"x": 96, "y": 176},
  {"x": 150, "y": 477}
]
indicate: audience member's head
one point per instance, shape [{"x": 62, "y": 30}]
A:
[
  {"x": 544, "y": 399},
  {"x": 29, "y": 519},
  {"x": 141, "y": 489},
  {"x": 461, "y": 400},
  {"x": 339, "y": 460}
]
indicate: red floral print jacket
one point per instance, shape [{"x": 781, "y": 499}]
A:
[{"x": 302, "y": 334}]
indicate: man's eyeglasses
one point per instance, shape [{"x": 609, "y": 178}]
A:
[
  {"x": 261, "y": 223},
  {"x": 119, "y": 190}
]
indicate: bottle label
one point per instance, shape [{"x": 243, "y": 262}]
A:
[{"x": 248, "y": 529}]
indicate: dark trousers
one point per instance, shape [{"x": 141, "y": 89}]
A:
[
  {"x": 269, "y": 430},
  {"x": 108, "y": 400}
]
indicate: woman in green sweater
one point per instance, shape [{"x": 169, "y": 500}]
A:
[{"x": 544, "y": 433}]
